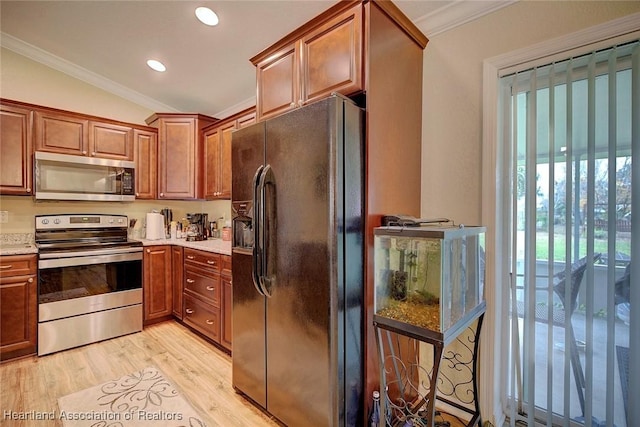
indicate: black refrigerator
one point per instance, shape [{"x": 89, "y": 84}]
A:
[{"x": 297, "y": 254}]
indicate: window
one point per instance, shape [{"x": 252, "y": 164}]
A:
[{"x": 568, "y": 137}]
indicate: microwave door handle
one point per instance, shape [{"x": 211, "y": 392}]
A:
[{"x": 257, "y": 253}]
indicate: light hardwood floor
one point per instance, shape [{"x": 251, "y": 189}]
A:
[{"x": 200, "y": 371}]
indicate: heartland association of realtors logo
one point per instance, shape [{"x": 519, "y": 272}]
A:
[{"x": 91, "y": 416}]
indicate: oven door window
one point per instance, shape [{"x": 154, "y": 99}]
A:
[{"x": 68, "y": 282}]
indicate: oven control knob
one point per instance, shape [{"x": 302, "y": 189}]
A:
[
  {"x": 45, "y": 221},
  {"x": 56, "y": 221}
]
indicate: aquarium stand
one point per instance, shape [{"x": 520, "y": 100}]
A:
[{"x": 409, "y": 389}]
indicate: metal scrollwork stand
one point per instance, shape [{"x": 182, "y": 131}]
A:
[{"x": 410, "y": 386}]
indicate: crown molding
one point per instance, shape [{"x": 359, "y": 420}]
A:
[
  {"x": 234, "y": 109},
  {"x": 52, "y": 61},
  {"x": 457, "y": 13}
]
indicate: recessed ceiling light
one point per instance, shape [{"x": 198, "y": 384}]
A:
[
  {"x": 156, "y": 65},
  {"x": 207, "y": 16}
]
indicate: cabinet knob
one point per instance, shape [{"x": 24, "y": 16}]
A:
[
  {"x": 292, "y": 105},
  {"x": 84, "y": 153},
  {"x": 137, "y": 194},
  {"x": 210, "y": 288},
  {"x": 300, "y": 103},
  {"x": 161, "y": 194},
  {"x": 93, "y": 153},
  {"x": 190, "y": 281},
  {"x": 30, "y": 280},
  {"x": 189, "y": 311},
  {"x": 29, "y": 190},
  {"x": 209, "y": 322},
  {"x": 148, "y": 251}
]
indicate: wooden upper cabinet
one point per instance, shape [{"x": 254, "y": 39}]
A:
[
  {"x": 325, "y": 57},
  {"x": 180, "y": 154},
  {"x": 332, "y": 57},
  {"x": 110, "y": 141},
  {"x": 145, "y": 157},
  {"x": 218, "y": 154},
  {"x": 62, "y": 133},
  {"x": 247, "y": 119},
  {"x": 16, "y": 124},
  {"x": 278, "y": 82},
  {"x": 77, "y": 134}
]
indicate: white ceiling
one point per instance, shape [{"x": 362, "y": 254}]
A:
[{"x": 107, "y": 43}]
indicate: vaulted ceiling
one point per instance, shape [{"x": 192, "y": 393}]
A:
[{"x": 107, "y": 43}]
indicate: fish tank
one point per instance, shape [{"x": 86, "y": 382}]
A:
[{"x": 429, "y": 278}]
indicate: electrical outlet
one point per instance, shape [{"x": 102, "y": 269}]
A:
[{"x": 4, "y": 217}]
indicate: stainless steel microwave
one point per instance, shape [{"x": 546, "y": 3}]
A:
[{"x": 68, "y": 177}]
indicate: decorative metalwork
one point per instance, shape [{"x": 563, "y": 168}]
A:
[{"x": 412, "y": 387}]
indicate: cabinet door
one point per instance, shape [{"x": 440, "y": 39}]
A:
[
  {"x": 16, "y": 124},
  {"x": 61, "y": 133},
  {"x": 177, "y": 273},
  {"x": 18, "y": 321},
  {"x": 278, "y": 83},
  {"x": 224, "y": 165},
  {"x": 177, "y": 158},
  {"x": 212, "y": 162},
  {"x": 110, "y": 141},
  {"x": 332, "y": 57},
  {"x": 146, "y": 150},
  {"x": 247, "y": 120},
  {"x": 227, "y": 310},
  {"x": 157, "y": 290}
]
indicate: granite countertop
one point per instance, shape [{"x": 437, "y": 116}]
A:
[
  {"x": 212, "y": 245},
  {"x": 23, "y": 243},
  {"x": 17, "y": 244}
]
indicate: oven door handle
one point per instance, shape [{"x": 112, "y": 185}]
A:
[
  {"x": 89, "y": 260},
  {"x": 92, "y": 253}
]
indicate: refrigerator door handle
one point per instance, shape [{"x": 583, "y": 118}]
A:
[
  {"x": 267, "y": 211},
  {"x": 256, "y": 259}
]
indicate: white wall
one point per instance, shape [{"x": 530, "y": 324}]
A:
[
  {"x": 452, "y": 92},
  {"x": 23, "y": 79}
]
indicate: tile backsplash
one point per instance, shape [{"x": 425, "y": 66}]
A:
[{"x": 21, "y": 210}]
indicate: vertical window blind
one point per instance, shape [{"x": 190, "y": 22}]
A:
[{"x": 570, "y": 136}]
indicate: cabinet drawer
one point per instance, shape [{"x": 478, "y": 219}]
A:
[
  {"x": 209, "y": 260},
  {"x": 17, "y": 265},
  {"x": 202, "y": 284},
  {"x": 202, "y": 316}
]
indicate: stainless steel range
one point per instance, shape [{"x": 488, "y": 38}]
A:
[{"x": 89, "y": 280}]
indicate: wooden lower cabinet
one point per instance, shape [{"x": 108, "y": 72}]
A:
[
  {"x": 207, "y": 295},
  {"x": 18, "y": 306},
  {"x": 157, "y": 284},
  {"x": 177, "y": 274},
  {"x": 227, "y": 302}
]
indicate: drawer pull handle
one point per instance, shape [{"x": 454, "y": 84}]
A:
[
  {"x": 210, "y": 288},
  {"x": 211, "y": 262},
  {"x": 189, "y": 311},
  {"x": 190, "y": 256},
  {"x": 6, "y": 267},
  {"x": 190, "y": 281},
  {"x": 209, "y": 322}
]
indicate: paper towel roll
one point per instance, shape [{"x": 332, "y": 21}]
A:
[{"x": 155, "y": 226}]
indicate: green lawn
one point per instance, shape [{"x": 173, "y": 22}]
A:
[{"x": 559, "y": 244}]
